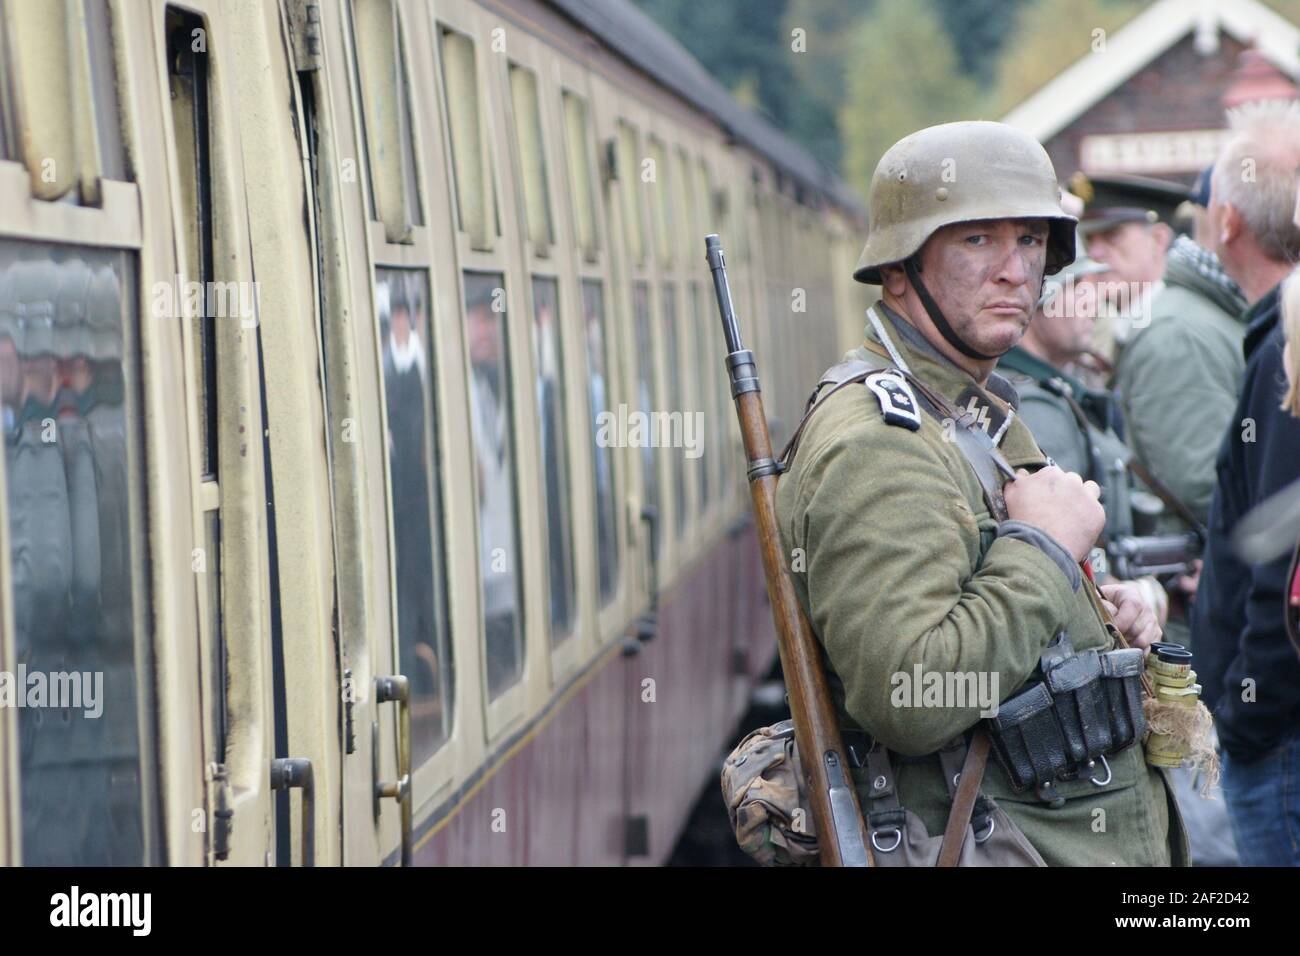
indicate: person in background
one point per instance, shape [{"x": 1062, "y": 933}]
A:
[
  {"x": 1179, "y": 371},
  {"x": 1076, "y": 425},
  {"x": 1249, "y": 671},
  {"x": 1125, "y": 226},
  {"x": 1291, "y": 405}
]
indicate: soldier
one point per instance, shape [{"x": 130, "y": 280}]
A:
[
  {"x": 1075, "y": 425},
  {"x": 1180, "y": 370},
  {"x": 912, "y": 558}
]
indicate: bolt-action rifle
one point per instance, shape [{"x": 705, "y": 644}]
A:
[{"x": 841, "y": 833}]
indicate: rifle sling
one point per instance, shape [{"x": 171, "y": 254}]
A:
[{"x": 1166, "y": 494}]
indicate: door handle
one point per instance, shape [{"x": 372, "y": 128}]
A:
[
  {"x": 648, "y": 624},
  {"x": 288, "y": 773},
  {"x": 397, "y": 689}
]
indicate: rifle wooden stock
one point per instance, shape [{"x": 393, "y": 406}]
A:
[{"x": 841, "y": 831}]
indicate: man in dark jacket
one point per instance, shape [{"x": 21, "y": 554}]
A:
[{"x": 1249, "y": 671}]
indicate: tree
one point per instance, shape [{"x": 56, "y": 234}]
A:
[
  {"x": 979, "y": 30},
  {"x": 818, "y": 36},
  {"x": 1050, "y": 35},
  {"x": 736, "y": 44},
  {"x": 905, "y": 76}
]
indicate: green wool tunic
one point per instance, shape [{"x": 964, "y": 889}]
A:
[{"x": 896, "y": 561}]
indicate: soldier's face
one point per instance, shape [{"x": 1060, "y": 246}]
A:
[
  {"x": 1134, "y": 252},
  {"x": 986, "y": 276},
  {"x": 1065, "y": 325}
]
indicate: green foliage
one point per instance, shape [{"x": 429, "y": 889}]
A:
[
  {"x": 871, "y": 71},
  {"x": 979, "y": 31},
  {"x": 904, "y": 77},
  {"x": 819, "y": 39},
  {"x": 737, "y": 44},
  {"x": 1050, "y": 35}
]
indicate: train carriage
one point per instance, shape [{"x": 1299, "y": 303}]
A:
[{"x": 324, "y": 332}]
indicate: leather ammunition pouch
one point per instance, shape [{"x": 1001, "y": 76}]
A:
[
  {"x": 899, "y": 837},
  {"x": 1077, "y": 709}
]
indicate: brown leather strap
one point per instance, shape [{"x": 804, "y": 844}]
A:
[
  {"x": 846, "y": 373},
  {"x": 972, "y": 774}
]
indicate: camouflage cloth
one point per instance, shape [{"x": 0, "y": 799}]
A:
[{"x": 762, "y": 787}]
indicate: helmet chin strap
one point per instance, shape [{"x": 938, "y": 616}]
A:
[{"x": 936, "y": 314}]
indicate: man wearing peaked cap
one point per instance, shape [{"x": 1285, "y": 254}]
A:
[
  {"x": 935, "y": 537},
  {"x": 1110, "y": 201}
]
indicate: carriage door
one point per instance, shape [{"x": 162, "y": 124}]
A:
[{"x": 376, "y": 409}]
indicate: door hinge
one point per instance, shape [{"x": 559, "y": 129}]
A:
[
  {"x": 220, "y": 799},
  {"x": 349, "y": 698},
  {"x": 304, "y": 30}
]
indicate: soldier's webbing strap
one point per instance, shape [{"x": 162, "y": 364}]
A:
[
  {"x": 974, "y": 443},
  {"x": 962, "y": 766}
]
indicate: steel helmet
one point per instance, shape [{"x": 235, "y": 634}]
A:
[{"x": 958, "y": 172}]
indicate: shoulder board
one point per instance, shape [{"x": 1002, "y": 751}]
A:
[{"x": 897, "y": 403}]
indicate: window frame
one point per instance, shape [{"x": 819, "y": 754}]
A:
[{"x": 117, "y": 224}]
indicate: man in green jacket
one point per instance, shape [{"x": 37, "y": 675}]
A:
[
  {"x": 897, "y": 556},
  {"x": 1179, "y": 375}
]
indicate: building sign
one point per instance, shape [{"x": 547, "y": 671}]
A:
[{"x": 1180, "y": 151}]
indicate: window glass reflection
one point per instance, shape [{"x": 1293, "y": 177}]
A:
[
  {"x": 646, "y": 392},
  {"x": 63, "y": 395},
  {"x": 548, "y": 357},
  {"x": 423, "y": 642},
  {"x": 493, "y": 431},
  {"x": 598, "y": 394},
  {"x": 676, "y": 403}
]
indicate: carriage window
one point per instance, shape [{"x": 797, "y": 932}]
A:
[
  {"x": 548, "y": 357},
  {"x": 681, "y": 422},
  {"x": 688, "y": 213},
  {"x": 598, "y": 392},
  {"x": 65, "y": 386},
  {"x": 498, "y": 517},
  {"x": 581, "y": 174},
  {"x": 188, "y": 79},
  {"x": 475, "y": 203},
  {"x": 704, "y": 197},
  {"x": 532, "y": 158},
  {"x": 423, "y": 639},
  {"x": 103, "y": 88},
  {"x": 381, "y": 73},
  {"x": 646, "y": 392},
  {"x": 704, "y": 397},
  {"x": 662, "y": 200},
  {"x": 410, "y": 176},
  {"x": 629, "y": 174},
  {"x": 59, "y": 98}
]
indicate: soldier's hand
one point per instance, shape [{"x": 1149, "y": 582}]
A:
[
  {"x": 1060, "y": 503},
  {"x": 1133, "y": 616}
]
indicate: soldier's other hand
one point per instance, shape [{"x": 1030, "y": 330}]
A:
[
  {"x": 1188, "y": 583},
  {"x": 1059, "y": 503},
  {"x": 1133, "y": 616}
]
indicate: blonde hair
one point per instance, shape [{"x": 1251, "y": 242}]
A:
[{"x": 1291, "y": 333}]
